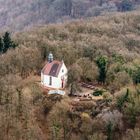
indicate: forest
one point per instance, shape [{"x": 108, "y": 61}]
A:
[
  {"x": 16, "y": 15},
  {"x": 103, "y": 50}
]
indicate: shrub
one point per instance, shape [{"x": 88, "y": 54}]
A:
[
  {"x": 98, "y": 92},
  {"x": 136, "y": 75},
  {"x": 121, "y": 79},
  {"x": 107, "y": 96},
  {"x": 89, "y": 70},
  {"x": 121, "y": 100}
]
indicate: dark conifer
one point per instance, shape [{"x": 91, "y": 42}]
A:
[{"x": 8, "y": 43}]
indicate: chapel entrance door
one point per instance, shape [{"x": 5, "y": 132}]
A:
[{"x": 62, "y": 84}]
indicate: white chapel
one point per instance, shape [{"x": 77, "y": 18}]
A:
[{"x": 54, "y": 74}]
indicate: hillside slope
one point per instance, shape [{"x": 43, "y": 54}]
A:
[
  {"x": 118, "y": 33},
  {"x": 18, "y": 14},
  {"x": 28, "y": 114}
]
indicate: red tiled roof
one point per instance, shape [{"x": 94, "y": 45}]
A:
[{"x": 52, "y": 68}]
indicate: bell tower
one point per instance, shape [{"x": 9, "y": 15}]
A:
[{"x": 50, "y": 57}]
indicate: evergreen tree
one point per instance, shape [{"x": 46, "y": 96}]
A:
[
  {"x": 8, "y": 43},
  {"x": 102, "y": 65}
]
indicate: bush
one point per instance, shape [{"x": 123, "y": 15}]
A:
[
  {"x": 98, "y": 93},
  {"x": 121, "y": 79},
  {"x": 107, "y": 96},
  {"x": 89, "y": 70},
  {"x": 136, "y": 76},
  {"x": 121, "y": 100}
]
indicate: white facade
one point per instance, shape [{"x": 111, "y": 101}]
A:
[{"x": 58, "y": 82}]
